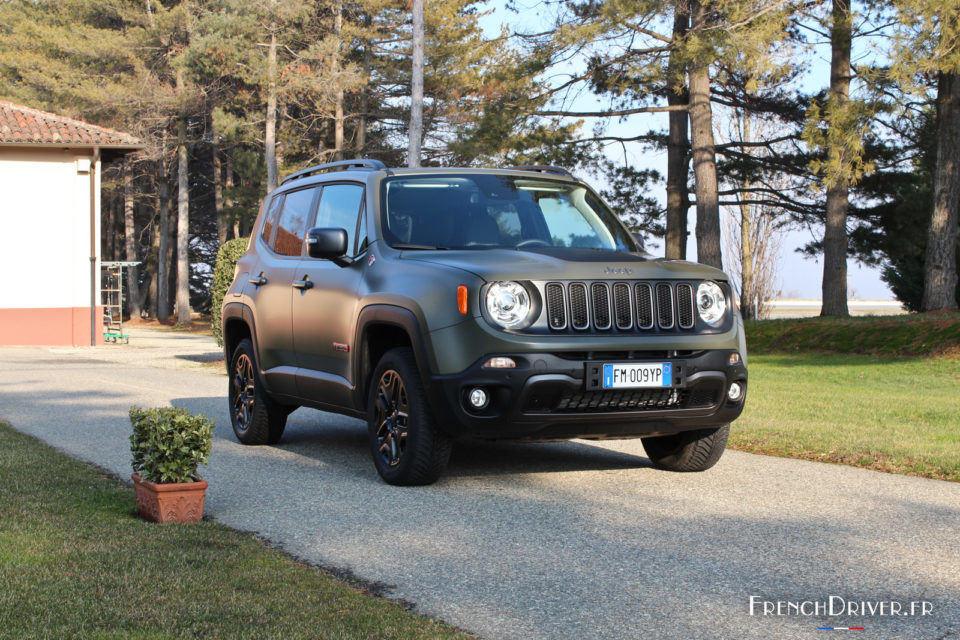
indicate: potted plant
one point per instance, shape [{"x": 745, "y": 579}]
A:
[{"x": 168, "y": 444}]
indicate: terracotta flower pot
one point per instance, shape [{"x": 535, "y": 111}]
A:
[{"x": 175, "y": 502}]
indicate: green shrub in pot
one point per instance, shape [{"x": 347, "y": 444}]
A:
[{"x": 168, "y": 444}]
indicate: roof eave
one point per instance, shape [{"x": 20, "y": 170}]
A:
[{"x": 76, "y": 145}]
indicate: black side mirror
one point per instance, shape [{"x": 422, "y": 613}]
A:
[
  {"x": 638, "y": 238},
  {"x": 330, "y": 244}
]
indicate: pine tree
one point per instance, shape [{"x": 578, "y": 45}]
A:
[
  {"x": 636, "y": 64},
  {"x": 927, "y": 45}
]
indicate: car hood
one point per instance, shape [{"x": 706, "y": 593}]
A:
[{"x": 564, "y": 264}]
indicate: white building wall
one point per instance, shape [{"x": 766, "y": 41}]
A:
[{"x": 45, "y": 233}]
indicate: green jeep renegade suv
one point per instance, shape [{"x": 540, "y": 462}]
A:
[{"x": 489, "y": 303}]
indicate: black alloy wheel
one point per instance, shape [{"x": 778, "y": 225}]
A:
[
  {"x": 407, "y": 446},
  {"x": 255, "y": 416},
  {"x": 392, "y": 414},
  {"x": 243, "y": 392}
]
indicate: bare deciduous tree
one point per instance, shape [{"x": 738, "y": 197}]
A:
[
  {"x": 753, "y": 233},
  {"x": 753, "y": 242}
]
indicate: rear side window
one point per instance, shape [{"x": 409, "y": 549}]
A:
[
  {"x": 339, "y": 209},
  {"x": 270, "y": 218},
  {"x": 297, "y": 209}
]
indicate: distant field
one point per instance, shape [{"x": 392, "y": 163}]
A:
[
  {"x": 805, "y": 308},
  {"x": 881, "y": 393}
]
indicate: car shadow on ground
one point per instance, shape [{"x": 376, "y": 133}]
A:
[
  {"x": 206, "y": 357},
  {"x": 342, "y": 441}
]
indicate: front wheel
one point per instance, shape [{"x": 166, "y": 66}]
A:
[
  {"x": 256, "y": 418},
  {"x": 689, "y": 450},
  {"x": 408, "y": 449}
]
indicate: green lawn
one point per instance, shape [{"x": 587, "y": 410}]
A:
[
  {"x": 76, "y": 562},
  {"x": 892, "y": 414}
]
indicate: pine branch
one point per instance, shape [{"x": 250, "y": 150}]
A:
[{"x": 613, "y": 113}]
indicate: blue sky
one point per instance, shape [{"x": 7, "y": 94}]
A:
[{"x": 798, "y": 276}]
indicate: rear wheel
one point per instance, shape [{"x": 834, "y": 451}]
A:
[
  {"x": 689, "y": 450},
  {"x": 256, "y": 418},
  {"x": 407, "y": 447}
]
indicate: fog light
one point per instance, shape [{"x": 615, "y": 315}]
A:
[
  {"x": 734, "y": 359},
  {"x": 735, "y": 392},
  {"x": 478, "y": 398},
  {"x": 500, "y": 363}
]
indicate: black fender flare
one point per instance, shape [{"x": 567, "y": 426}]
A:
[
  {"x": 240, "y": 311},
  {"x": 402, "y": 318}
]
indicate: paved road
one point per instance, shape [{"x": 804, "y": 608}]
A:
[{"x": 570, "y": 540}]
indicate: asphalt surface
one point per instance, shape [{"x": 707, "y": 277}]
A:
[{"x": 571, "y": 540}]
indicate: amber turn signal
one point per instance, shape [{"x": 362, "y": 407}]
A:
[{"x": 462, "y": 299}]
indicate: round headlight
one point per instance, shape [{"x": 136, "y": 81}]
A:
[
  {"x": 508, "y": 303},
  {"x": 711, "y": 303}
]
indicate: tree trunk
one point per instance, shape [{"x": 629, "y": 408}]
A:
[
  {"x": 172, "y": 253},
  {"x": 223, "y": 226},
  {"x": 940, "y": 261},
  {"x": 364, "y": 96},
  {"x": 416, "y": 92},
  {"x": 153, "y": 279},
  {"x": 270, "y": 133},
  {"x": 338, "y": 112},
  {"x": 704, "y": 158},
  {"x": 183, "y": 218},
  {"x": 229, "y": 202},
  {"x": 147, "y": 270},
  {"x": 748, "y": 293},
  {"x": 130, "y": 242},
  {"x": 109, "y": 222},
  {"x": 838, "y": 193},
  {"x": 678, "y": 146},
  {"x": 163, "y": 251}
]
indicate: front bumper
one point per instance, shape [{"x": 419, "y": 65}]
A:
[{"x": 555, "y": 396}]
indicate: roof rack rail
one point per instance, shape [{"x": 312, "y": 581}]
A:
[
  {"x": 340, "y": 165},
  {"x": 544, "y": 168}
]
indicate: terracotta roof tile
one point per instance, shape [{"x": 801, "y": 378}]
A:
[{"x": 23, "y": 125}]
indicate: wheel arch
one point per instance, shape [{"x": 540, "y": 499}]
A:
[
  {"x": 237, "y": 325},
  {"x": 379, "y": 329}
]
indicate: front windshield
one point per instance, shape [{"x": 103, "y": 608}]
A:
[{"x": 481, "y": 210}]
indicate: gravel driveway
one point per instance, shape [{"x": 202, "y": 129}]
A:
[{"x": 569, "y": 540}]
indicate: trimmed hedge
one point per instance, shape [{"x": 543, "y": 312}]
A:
[
  {"x": 230, "y": 252},
  {"x": 168, "y": 444},
  {"x": 915, "y": 335}
]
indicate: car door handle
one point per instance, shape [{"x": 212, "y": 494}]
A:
[
  {"x": 303, "y": 284},
  {"x": 259, "y": 280}
]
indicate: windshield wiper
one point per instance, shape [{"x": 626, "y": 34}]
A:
[{"x": 419, "y": 247}]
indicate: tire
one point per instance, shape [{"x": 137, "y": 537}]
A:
[
  {"x": 256, "y": 418},
  {"x": 689, "y": 450},
  {"x": 407, "y": 447}
]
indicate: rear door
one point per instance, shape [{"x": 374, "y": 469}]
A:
[
  {"x": 324, "y": 315},
  {"x": 271, "y": 286}
]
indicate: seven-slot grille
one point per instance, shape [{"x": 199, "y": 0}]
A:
[{"x": 621, "y": 306}]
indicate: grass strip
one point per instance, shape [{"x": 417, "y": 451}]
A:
[
  {"x": 889, "y": 414},
  {"x": 913, "y": 335},
  {"x": 77, "y": 562}
]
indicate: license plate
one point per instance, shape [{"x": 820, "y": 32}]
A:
[{"x": 637, "y": 376}]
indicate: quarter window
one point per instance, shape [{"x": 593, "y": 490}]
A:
[
  {"x": 270, "y": 218},
  {"x": 297, "y": 208},
  {"x": 339, "y": 209}
]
